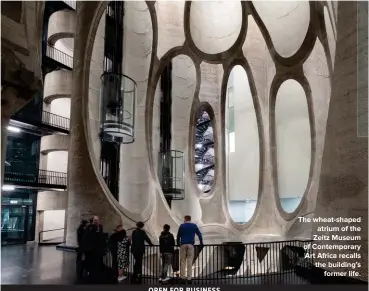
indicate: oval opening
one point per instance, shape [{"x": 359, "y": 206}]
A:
[
  {"x": 215, "y": 25},
  {"x": 293, "y": 144},
  {"x": 242, "y": 147},
  {"x": 204, "y": 150},
  {"x": 287, "y": 23}
]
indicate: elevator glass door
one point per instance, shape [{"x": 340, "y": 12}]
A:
[{"x": 14, "y": 224}]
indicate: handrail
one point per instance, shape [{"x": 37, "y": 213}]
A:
[
  {"x": 20, "y": 172},
  {"x": 226, "y": 244},
  {"x": 59, "y": 56},
  {"x": 47, "y": 118},
  {"x": 42, "y": 231},
  {"x": 229, "y": 262},
  {"x": 55, "y": 120}
]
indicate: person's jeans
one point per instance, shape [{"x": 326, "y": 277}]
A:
[
  {"x": 166, "y": 259},
  {"x": 137, "y": 268},
  {"x": 186, "y": 255}
]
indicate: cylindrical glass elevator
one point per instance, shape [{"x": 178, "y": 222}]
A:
[
  {"x": 171, "y": 174},
  {"x": 118, "y": 103}
]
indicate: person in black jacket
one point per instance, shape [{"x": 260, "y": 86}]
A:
[
  {"x": 166, "y": 245},
  {"x": 94, "y": 244},
  {"x": 138, "y": 239},
  {"x": 80, "y": 236}
]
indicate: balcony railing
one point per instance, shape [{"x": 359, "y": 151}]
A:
[
  {"x": 43, "y": 119},
  {"x": 20, "y": 173},
  {"x": 59, "y": 56},
  {"x": 230, "y": 263},
  {"x": 55, "y": 120}
]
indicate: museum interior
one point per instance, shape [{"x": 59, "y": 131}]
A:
[{"x": 249, "y": 116}]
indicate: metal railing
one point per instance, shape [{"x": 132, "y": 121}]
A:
[
  {"x": 50, "y": 240},
  {"x": 55, "y": 120},
  {"x": 52, "y": 178},
  {"x": 23, "y": 173},
  {"x": 59, "y": 56},
  {"x": 230, "y": 263},
  {"x": 46, "y": 118}
]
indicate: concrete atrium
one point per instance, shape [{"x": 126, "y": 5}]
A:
[{"x": 258, "y": 107}]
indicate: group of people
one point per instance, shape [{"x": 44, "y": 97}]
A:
[{"x": 92, "y": 244}]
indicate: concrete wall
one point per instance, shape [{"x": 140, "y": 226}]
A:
[
  {"x": 213, "y": 56},
  {"x": 343, "y": 190},
  {"x": 61, "y": 107},
  {"x": 51, "y": 200},
  {"x": 277, "y": 16},
  {"x": 54, "y": 220},
  {"x": 96, "y": 70},
  {"x": 21, "y": 78},
  {"x": 134, "y": 171},
  {"x": 66, "y": 45},
  {"x": 57, "y": 161},
  {"x": 207, "y": 28},
  {"x": 62, "y": 24}
]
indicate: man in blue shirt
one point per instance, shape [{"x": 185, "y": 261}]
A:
[{"x": 186, "y": 241}]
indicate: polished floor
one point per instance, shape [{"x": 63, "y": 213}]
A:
[{"x": 33, "y": 264}]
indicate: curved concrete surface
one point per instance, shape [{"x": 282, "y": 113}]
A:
[
  {"x": 62, "y": 24},
  {"x": 146, "y": 202},
  {"x": 54, "y": 142},
  {"x": 57, "y": 84}
]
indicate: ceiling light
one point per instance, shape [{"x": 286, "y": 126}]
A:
[
  {"x": 13, "y": 129},
  {"x": 8, "y": 188}
]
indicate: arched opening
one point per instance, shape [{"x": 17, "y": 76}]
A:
[
  {"x": 242, "y": 147},
  {"x": 293, "y": 144},
  {"x": 204, "y": 149}
]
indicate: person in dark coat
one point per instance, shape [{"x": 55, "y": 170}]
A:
[
  {"x": 138, "y": 239},
  {"x": 94, "y": 245},
  {"x": 166, "y": 245},
  {"x": 121, "y": 243},
  {"x": 80, "y": 236}
]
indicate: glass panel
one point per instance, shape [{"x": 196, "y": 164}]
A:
[
  {"x": 231, "y": 119},
  {"x": 232, "y": 142},
  {"x": 230, "y": 97},
  {"x": 171, "y": 174},
  {"x": 12, "y": 224},
  {"x": 118, "y": 97}
]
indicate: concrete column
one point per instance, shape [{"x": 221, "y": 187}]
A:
[
  {"x": 343, "y": 190},
  {"x": 39, "y": 224},
  {"x": 86, "y": 196}
]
